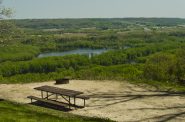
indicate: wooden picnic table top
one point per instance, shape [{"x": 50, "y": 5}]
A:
[{"x": 60, "y": 91}]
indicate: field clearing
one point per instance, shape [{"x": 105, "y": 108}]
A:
[
  {"x": 119, "y": 101},
  {"x": 72, "y": 35}
]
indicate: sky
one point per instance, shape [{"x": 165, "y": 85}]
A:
[{"x": 96, "y": 8}]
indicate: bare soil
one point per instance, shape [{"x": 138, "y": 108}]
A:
[{"x": 119, "y": 101}]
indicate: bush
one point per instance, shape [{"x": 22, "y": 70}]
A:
[{"x": 161, "y": 67}]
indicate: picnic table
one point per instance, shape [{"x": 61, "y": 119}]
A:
[{"x": 66, "y": 94}]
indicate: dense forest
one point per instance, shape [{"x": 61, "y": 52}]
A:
[
  {"x": 149, "y": 50},
  {"x": 104, "y": 23}
]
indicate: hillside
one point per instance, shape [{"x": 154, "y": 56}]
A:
[
  {"x": 11, "y": 111},
  {"x": 104, "y": 23}
]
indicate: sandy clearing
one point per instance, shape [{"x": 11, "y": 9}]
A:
[{"x": 119, "y": 101}]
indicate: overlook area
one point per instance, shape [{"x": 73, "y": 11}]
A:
[
  {"x": 92, "y": 61},
  {"x": 137, "y": 63}
]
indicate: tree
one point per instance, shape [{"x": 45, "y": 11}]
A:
[
  {"x": 161, "y": 67},
  {"x": 7, "y": 28},
  {"x": 181, "y": 65},
  {"x": 5, "y": 12}
]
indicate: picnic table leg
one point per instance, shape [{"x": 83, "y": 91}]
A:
[
  {"x": 75, "y": 102},
  {"x": 47, "y": 95},
  {"x": 42, "y": 94},
  {"x": 69, "y": 102},
  {"x": 84, "y": 102}
]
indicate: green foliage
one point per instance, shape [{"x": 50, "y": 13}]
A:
[
  {"x": 5, "y": 12},
  {"x": 181, "y": 65},
  {"x": 18, "y": 53},
  {"x": 7, "y": 28},
  {"x": 115, "y": 72},
  {"x": 161, "y": 67},
  {"x": 43, "y": 65},
  {"x": 110, "y": 58},
  {"x": 141, "y": 49},
  {"x": 166, "y": 67},
  {"x": 102, "y": 24}
]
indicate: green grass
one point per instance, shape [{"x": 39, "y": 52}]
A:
[
  {"x": 14, "y": 112},
  {"x": 17, "y": 52}
]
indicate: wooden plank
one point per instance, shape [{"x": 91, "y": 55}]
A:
[
  {"x": 83, "y": 97},
  {"x": 65, "y": 98},
  {"x": 60, "y": 91}
]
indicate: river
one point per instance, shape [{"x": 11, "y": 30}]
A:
[{"x": 88, "y": 52}]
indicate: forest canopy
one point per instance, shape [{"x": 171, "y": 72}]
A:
[{"x": 139, "y": 49}]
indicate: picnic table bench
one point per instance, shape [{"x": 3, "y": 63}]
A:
[
  {"x": 83, "y": 97},
  {"x": 50, "y": 91},
  {"x": 46, "y": 101}
]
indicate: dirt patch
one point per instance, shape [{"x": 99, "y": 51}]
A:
[{"x": 119, "y": 101}]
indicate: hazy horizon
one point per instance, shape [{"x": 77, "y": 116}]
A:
[
  {"x": 61, "y": 9},
  {"x": 100, "y": 18}
]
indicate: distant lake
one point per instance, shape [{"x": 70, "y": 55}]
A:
[{"x": 88, "y": 52}]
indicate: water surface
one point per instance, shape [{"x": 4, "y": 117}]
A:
[{"x": 88, "y": 52}]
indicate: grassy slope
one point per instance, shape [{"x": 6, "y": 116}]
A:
[{"x": 27, "y": 113}]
